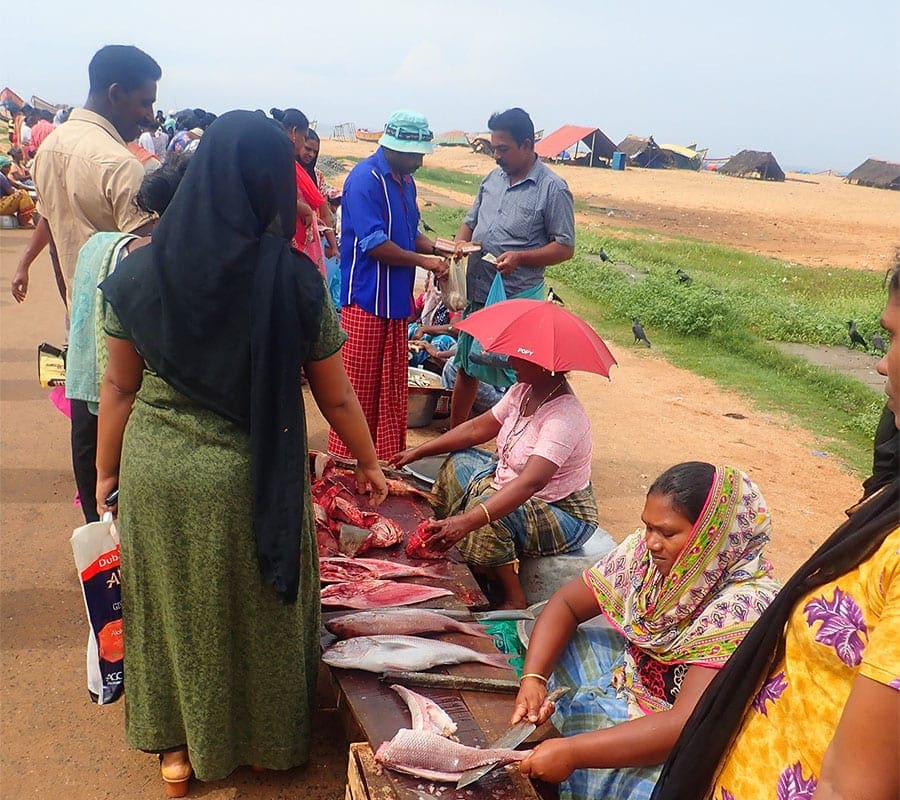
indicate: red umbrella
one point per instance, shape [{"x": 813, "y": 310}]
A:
[{"x": 541, "y": 332}]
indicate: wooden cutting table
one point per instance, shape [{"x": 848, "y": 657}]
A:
[{"x": 372, "y": 713}]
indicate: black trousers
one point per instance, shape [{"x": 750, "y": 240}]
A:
[{"x": 84, "y": 457}]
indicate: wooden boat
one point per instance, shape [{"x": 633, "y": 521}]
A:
[{"x": 364, "y": 135}]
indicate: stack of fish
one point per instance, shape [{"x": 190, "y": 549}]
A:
[{"x": 385, "y": 639}]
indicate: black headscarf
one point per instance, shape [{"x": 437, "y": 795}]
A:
[
  {"x": 222, "y": 309},
  {"x": 694, "y": 762}
]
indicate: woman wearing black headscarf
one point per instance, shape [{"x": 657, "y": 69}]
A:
[
  {"x": 808, "y": 706},
  {"x": 211, "y": 325}
]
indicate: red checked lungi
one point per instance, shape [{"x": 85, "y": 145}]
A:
[{"x": 375, "y": 358}]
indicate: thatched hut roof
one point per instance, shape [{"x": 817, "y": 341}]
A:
[
  {"x": 753, "y": 164},
  {"x": 880, "y": 174},
  {"x": 631, "y": 145}
]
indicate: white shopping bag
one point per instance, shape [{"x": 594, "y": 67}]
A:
[{"x": 96, "y": 550}]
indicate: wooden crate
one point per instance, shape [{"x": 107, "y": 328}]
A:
[{"x": 363, "y": 783}]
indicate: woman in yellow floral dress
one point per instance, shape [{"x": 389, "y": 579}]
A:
[{"x": 808, "y": 707}]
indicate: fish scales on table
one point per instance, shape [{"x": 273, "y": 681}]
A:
[
  {"x": 432, "y": 757},
  {"x": 399, "y": 621},
  {"x": 366, "y": 594},
  {"x": 381, "y": 653},
  {"x": 426, "y": 714}
]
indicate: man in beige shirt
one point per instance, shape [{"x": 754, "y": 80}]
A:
[{"x": 86, "y": 181}]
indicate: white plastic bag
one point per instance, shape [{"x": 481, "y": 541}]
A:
[
  {"x": 453, "y": 285},
  {"x": 96, "y": 550}
]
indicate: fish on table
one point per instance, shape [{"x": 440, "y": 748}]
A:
[
  {"x": 382, "y": 653},
  {"x": 417, "y": 544},
  {"x": 426, "y": 714},
  {"x": 399, "y": 621},
  {"x": 335, "y": 509},
  {"x": 335, "y": 569},
  {"x": 378, "y": 594},
  {"x": 432, "y": 757}
]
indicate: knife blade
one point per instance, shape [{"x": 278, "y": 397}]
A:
[{"x": 513, "y": 737}]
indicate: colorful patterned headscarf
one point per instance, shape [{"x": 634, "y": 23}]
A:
[{"x": 717, "y": 588}]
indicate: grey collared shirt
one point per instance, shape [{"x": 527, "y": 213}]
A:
[{"x": 528, "y": 215}]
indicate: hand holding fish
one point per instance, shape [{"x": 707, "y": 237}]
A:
[
  {"x": 531, "y": 702},
  {"x": 445, "y": 533},
  {"x": 553, "y": 760},
  {"x": 370, "y": 480}
]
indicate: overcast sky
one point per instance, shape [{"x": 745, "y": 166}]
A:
[{"x": 817, "y": 83}]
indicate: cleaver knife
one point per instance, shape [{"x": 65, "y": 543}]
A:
[{"x": 512, "y": 738}]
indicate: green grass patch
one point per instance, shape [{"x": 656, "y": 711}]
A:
[
  {"x": 730, "y": 290},
  {"x": 444, "y": 220},
  {"x": 450, "y": 179}
]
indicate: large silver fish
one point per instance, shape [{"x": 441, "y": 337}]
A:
[
  {"x": 430, "y": 756},
  {"x": 414, "y": 653},
  {"x": 393, "y": 621}
]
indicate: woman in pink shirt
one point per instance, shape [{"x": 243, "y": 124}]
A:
[{"x": 533, "y": 497}]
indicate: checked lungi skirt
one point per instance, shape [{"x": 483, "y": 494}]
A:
[
  {"x": 375, "y": 358},
  {"x": 535, "y": 528}
]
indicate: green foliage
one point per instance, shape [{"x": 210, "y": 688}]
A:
[{"x": 730, "y": 290}]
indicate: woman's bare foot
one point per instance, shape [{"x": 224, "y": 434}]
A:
[{"x": 508, "y": 579}]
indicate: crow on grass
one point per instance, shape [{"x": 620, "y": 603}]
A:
[{"x": 638, "y": 331}]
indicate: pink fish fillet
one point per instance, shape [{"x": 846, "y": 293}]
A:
[
  {"x": 341, "y": 568},
  {"x": 426, "y": 714},
  {"x": 427, "y": 755},
  {"x": 378, "y": 594}
]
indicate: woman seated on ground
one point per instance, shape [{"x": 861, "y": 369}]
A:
[
  {"x": 677, "y": 598},
  {"x": 14, "y": 199},
  {"x": 19, "y": 173},
  {"x": 809, "y": 705},
  {"x": 534, "y": 498}
]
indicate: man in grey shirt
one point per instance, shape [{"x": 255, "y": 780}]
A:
[{"x": 524, "y": 215}]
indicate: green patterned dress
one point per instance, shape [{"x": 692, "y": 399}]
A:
[{"x": 214, "y": 660}]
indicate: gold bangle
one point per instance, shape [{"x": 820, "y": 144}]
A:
[
  {"x": 541, "y": 678},
  {"x": 487, "y": 513}
]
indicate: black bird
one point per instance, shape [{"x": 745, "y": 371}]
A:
[
  {"x": 855, "y": 336},
  {"x": 553, "y": 297},
  {"x": 638, "y": 331},
  {"x": 602, "y": 254},
  {"x": 878, "y": 344},
  {"x": 683, "y": 277},
  {"x": 427, "y": 227}
]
